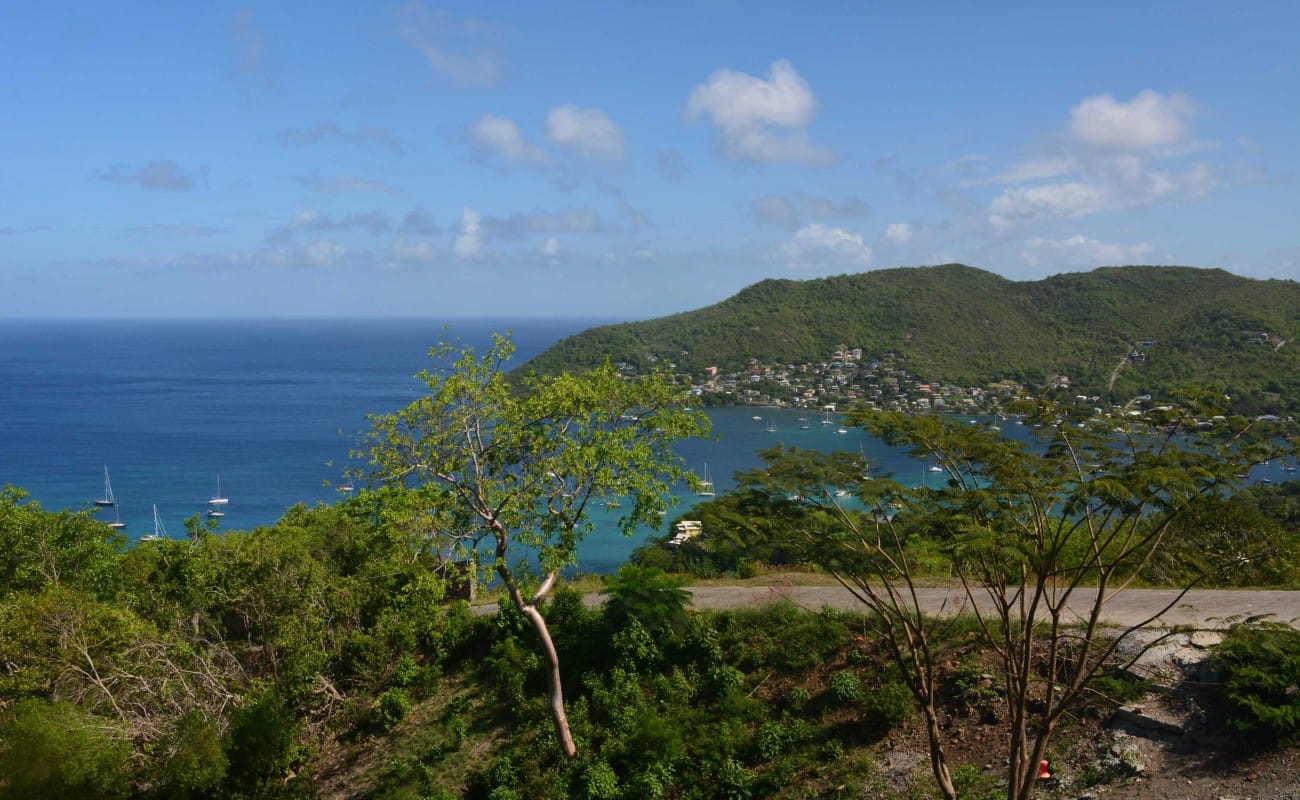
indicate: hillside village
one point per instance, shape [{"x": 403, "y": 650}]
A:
[
  {"x": 849, "y": 379},
  {"x": 846, "y": 379}
]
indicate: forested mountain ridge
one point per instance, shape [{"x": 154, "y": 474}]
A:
[{"x": 1167, "y": 326}]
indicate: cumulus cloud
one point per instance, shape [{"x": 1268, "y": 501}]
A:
[
  {"x": 1124, "y": 184},
  {"x": 372, "y": 135},
  {"x": 464, "y": 51},
  {"x": 1081, "y": 251},
  {"x": 469, "y": 235},
  {"x": 499, "y": 138},
  {"x": 757, "y": 119},
  {"x": 159, "y": 175},
  {"x": 1115, "y": 155},
  {"x": 817, "y": 245},
  {"x": 1148, "y": 121},
  {"x": 589, "y": 132},
  {"x": 791, "y": 211},
  {"x": 312, "y": 221}
]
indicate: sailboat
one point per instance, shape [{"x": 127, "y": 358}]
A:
[
  {"x": 771, "y": 424},
  {"x": 826, "y": 420},
  {"x": 159, "y": 531},
  {"x": 706, "y": 485},
  {"x": 108, "y": 499},
  {"x": 803, "y": 423},
  {"x": 217, "y": 499}
]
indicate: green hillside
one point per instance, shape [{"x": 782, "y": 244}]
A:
[{"x": 960, "y": 324}]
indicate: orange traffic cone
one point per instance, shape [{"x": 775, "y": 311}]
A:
[{"x": 1043, "y": 774}]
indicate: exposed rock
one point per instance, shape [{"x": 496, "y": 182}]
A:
[{"x": 1124, "y": 756}]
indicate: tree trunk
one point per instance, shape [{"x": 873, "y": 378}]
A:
[
  {"x": 938, "y": 759},
  {"x": 552, "y": 675}
]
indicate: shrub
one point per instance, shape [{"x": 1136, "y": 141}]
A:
[
  {"x": 1261, "y": 680},
  {"x": 52, "y": 750},
  {"x": 845, "y": 688},
  {"x": 648, "y": 595},
  {"x": 887, "y": 706},
  {"x": 391, "y": 707}
]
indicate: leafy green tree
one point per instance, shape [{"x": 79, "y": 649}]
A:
[
  {"x": 39, "y": 548},
  {"x": 1040, "y": 538},
  {"x": 507, "y": 475}
]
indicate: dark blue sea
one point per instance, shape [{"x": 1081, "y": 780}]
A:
[{"x": 271, "y": 409}]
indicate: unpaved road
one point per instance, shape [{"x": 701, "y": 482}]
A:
[
  {"x": 1203, "y": 608},
  {"x": 1206, "y": 608}
]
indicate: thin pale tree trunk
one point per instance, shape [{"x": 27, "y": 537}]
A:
[{"x": 534, "y": 616}]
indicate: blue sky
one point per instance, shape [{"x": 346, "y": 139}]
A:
[{"x": 624, "y": 159}]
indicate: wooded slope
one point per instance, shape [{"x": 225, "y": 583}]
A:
[{"x": 959, "y": 324}]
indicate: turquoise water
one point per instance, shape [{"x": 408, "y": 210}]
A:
[{"x": 272, "y": 408}]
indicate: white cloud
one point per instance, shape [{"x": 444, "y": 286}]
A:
[
  {"x": 589, "y": 132},
  {"x": 551, "y": 247},
  {"x": 1116, "y": 184},
  {"x": 1080, "y": 251},
  {"x": 499, "y": 137},
  {"x": 899, "y": 233},
  {"x": 1150, "y": 120},
  {"x": 817, "y": 245},
  {"x": 760, "y": 120},
  {"x": 462, "y": 50},
  {"x": 469, "y": 235},
  {"x": 1053, "y": 200}
]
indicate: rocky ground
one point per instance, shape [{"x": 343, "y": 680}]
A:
[{"x": 1163, "y": 746}]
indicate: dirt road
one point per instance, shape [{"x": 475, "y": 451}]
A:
[
  {"x": 1204, "y": 608},
  {"x": 1208, "y": 608}
]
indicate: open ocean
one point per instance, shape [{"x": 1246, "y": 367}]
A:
[{"x": 272, "y": 408}]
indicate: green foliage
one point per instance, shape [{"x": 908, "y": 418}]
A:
[
  {"x": 40, "y": 548},
  {"x": 1260, "y": 664},
  {"x": 886, "y": 706},
  {"x": 845, "y": 688},
  {"x": 391, "y": 707},
  {"x": 654, "y": 599},
  {"x": 194, "y": 763},
  {"x": 601, "y": 783},
  {"x": 54, "y": 750},
  {"x": 261, "y": 746},
  {"x": 1118, "y": 686},
  {"x": 1228, "y": 541}
]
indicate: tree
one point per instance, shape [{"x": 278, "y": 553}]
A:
[
  {"x": 507, "y": 474},
  {"x": 1040, "y": 537}
]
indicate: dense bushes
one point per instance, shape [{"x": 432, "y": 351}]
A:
[{"x": 1260, "y": 665}]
